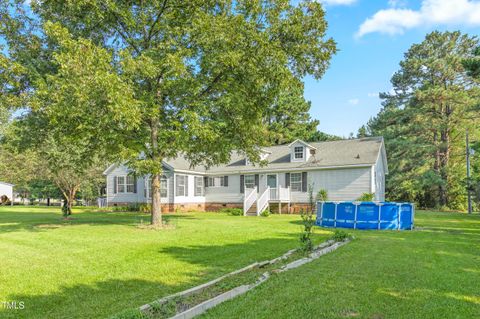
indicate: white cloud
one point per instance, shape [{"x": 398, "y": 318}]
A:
[
  {"x": 372, "y": 94},
  {"x": 353, "y": 101},
  {"x": 432, "y": 12},
  {"x": 338, "y": 2},
  {"x": 397, "y": 3}
]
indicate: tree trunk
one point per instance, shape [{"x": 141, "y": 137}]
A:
[
  {"x": 68, "y": 198},
  {"x": 156, "y": 200},
  {"x": 445, "y": 153},
  {"x": 156, "y": 196},
  {"x": 436, "y": 167},
  {"x": 67, "y": 207},
  {"x": 444, "y": 159}
]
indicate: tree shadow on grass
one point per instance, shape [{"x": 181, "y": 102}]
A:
[
  {"x": 99, "y": 300},
  {"x": 228, "y": 257},
  {"x": 38, "y": 219},
  {"x": 105, "y": 298}
]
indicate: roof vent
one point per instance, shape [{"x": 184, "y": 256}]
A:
[
  {"x": 358, "y": 156},
  {"x": 312, "y": 151}
]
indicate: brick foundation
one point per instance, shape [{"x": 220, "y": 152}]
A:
[
  {"x": 214, "y": 207},
  {"x": 183, "y": 208},
  {"x": 295, "y": 208},
  {"x": 171, "y": 208}
]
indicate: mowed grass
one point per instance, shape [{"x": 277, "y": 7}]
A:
[
  {"x": 432, "y": 272},
  {"x": 99, "y": 264}
]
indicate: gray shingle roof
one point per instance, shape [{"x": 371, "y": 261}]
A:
[{"x": 363, "y": 151}]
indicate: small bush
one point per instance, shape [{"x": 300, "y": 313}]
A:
[
  {"x": 308, "y": 222},
  {"x": 145, "y": 208},
  {"x": 134, "y": 207},
  {"x": 322, "y": 195},
  {"x": 232, "y": 211},
  {"x": 366, "y": 197},
  {"x": 340, "y": 235},
  {"x": 265, "y": 213}
]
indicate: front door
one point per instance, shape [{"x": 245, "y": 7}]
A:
[{"x": 272, "y": 183}]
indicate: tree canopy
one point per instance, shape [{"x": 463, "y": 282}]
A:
[
  {"x": 288, "y": 118},
  {"x": 156, "y": 79}
]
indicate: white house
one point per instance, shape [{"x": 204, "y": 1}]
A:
[
  {"x": 6, "y": 189},
  {"x": 345, "y": 168}
]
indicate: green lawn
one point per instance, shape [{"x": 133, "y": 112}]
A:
[
  {"x": 433, "y": 272},
  {"x": 102, "y": 263}
]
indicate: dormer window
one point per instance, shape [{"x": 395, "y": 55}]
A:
[{"x": 298, "y": 152}]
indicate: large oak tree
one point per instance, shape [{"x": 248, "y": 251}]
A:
[{"x": 201, "y": 74}]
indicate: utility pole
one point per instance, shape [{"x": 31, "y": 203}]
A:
[{"x": 468, "y": 175}]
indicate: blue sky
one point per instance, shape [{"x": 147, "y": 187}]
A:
[{"x": 372, "y": 36}]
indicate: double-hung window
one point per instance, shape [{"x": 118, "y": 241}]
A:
[
  {"x": 130, "y": 184},
  {"x": 249, "y": 181},
  {"x": 163, "y": 186},
  {"x": 296, "y": 182},
  {"x": 199, "y": 186},
  {"x": 126, "y": 184},
  {"x": 182, "y": 185},
  {"x": 219, "y": 181},
  {"x": 121, "y": 184},
  {"x": 298, "y": 152}
]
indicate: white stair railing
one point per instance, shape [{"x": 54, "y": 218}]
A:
[
  {"x": 249, "y": 199},
  {"x": 262, "y": 202}
]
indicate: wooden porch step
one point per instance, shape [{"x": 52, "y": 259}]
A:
[{"x": 252, "y": 211}]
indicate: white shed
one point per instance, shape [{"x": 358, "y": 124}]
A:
[{"x": 7, "y": 190}]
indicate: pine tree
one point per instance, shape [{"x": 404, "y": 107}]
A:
[
  {"x": 288, "y": 119},
  {"x": 425, "y": 119}
]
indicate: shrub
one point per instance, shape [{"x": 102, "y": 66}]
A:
[
  {"x": 121, "y": 208},
  {"x": 366, "y": 197},
  {"x": 133, "y": 207},
  {"x": 145, "y": 208},
  {"x": 265, "y": 213},
  {"x": 340, "y": 235},
  {"x": 232, "y": 211},
  {"x": 305, "y": 237},
  {"x": 322, "y": 195}
]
